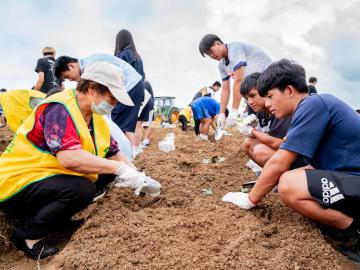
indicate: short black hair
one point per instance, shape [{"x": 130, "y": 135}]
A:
[
  {"x": 358, "y": 110},
  {"x": 61, "y": 64},
  {"x": 312, "y": 79},
  {"x": 281, "y": 74},
  {"x": 249, "y": 83},
  {"x": 217, "y": 83},
  {"x": 207, "y": 42},
  {"x": 2, "y": 90}
]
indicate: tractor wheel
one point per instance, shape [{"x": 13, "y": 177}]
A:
[{"x": 173, "y": 115}]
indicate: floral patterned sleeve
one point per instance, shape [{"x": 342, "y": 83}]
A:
[
  {"x": 54, "y": 130},
  {"x": 59, "y": 129}
]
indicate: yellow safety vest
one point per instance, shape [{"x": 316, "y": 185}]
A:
[
  {"x": 18, "y": 105},
  {"x": 186, "y": 112},
  {"x": 23, "y": 163}
]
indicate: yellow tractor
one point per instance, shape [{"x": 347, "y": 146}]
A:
[{"x": 165, "y": 110}]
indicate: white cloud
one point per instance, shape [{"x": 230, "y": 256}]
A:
[{"x": 167, "y": 34}]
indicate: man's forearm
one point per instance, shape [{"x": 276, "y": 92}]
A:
[
  {"x": 266, "y": 139},
  {"x": 225, "y": 94},
  {"x": 269, "y": 178},
  {"x": 236, "y": 94},
  {"x": 38, "y": 85}
]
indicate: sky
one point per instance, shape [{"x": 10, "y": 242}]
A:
[{"x": 321, "y": 35}]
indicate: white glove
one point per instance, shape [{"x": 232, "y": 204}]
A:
[
  {"x": 203, "y": 137},
  {"x": 127, "y": 176},
  {"x": 240, "y": 199},
  {"x": 221, "y": 120},
  {"x": 231, "y": 120},
  {"x": 218, "y": 134},
  {"x": 251, "y": 120},
  {"x": 246, "y": 130}
]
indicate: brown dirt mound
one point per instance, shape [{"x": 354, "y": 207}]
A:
[{"x": 182, "y": 228}]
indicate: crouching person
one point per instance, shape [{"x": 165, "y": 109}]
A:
[
  {"x": 326, "y": 131},
  {"x": 205, "y": 110},
  {"x": 264, "y": 131},
  {"x": 61, "y": 155},
  {"x": 184, "y": 118}
]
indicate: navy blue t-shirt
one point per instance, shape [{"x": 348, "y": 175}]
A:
[
  {"x": 129, "y": 56},
  {"x": 326, "y": 130}
]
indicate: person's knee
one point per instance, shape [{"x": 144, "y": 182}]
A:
[
  {"x": 261, "y": 154},
  {"x": 247, "y": 145},
  {"x": 286, "y": 188}
]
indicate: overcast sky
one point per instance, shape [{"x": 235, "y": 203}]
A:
[{"x": 322, "y": 35}]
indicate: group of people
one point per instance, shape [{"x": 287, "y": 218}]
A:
[
  {"x": 307, "y": 144},
  {"x": 64, "y": 153},
  {"x": 66, "y": 149}
]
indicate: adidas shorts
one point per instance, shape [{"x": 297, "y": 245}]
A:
[{"x": 336, "y": 190}]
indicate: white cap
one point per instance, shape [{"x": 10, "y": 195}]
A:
[{"x": 110, "y": 76}]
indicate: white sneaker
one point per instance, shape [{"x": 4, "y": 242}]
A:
[
  {"x": 145, "y": 143},
  {"x": 137, "y": 150}
]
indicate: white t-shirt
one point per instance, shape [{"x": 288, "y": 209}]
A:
[{"x": 250, "y": 57}]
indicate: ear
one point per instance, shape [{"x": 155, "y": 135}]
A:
[{"x": 290, "y": 90}]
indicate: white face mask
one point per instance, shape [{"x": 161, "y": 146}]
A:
[{"x": 103, "y": 108}]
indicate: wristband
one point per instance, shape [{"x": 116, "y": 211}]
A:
[{"x": 253, "y": 202}]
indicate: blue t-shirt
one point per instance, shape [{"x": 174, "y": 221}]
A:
[
  {"x": 205, "y": 107},
  {"x": 129, "y": 56},
  {"x": 326, "y": 130},
  {"x": 131, "y": 77}
]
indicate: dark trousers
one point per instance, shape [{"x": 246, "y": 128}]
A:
[{"x": 49, "y": 202}]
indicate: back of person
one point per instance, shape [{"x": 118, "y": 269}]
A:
[
  {"x": 207, "y": 103},
  {"x": 131, "y": 76},
  {"x": 240, "y": 54},
  {"x": 327, "y": 131},
  {"x": 46, "y": 65},
  {"x": 135, "y": 61},
  {"x": 18, "y": 105}
]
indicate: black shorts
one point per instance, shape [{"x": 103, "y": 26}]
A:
[
  {"x": 336, "y": 190},
  {"x": 126, "y": 116},
  {"x": 147, "y": 114}
]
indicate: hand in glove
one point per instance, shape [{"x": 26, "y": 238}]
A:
[
  {"x": 251, "y": 120},
  {"x": 221, "y": 120},
  {"x": 240, "y": 199},
  {"x": 231, "y": 120},
  {"x": 246, "y": 130},
  {"x": 129, "y": 177},
  {"x": 203, "y": 137}
]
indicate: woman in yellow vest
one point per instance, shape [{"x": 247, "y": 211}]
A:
[{"x": 59, "y": 157}]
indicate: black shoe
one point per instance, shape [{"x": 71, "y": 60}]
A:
[
  {"x": 40, "y": 250},
  {"x": 341, "y": 236},
  {"x": 352, "y": 252}
]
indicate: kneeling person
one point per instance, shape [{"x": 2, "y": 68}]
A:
[
  {"x": 205, "y": 110},
  {"x": 262, "y": 141},
  {"x": 325, "y": 130}
]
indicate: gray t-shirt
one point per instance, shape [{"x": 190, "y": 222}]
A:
[{"x": 250, "y": 57}]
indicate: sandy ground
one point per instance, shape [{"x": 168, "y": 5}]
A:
[{"x": 183, "y": 228}]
